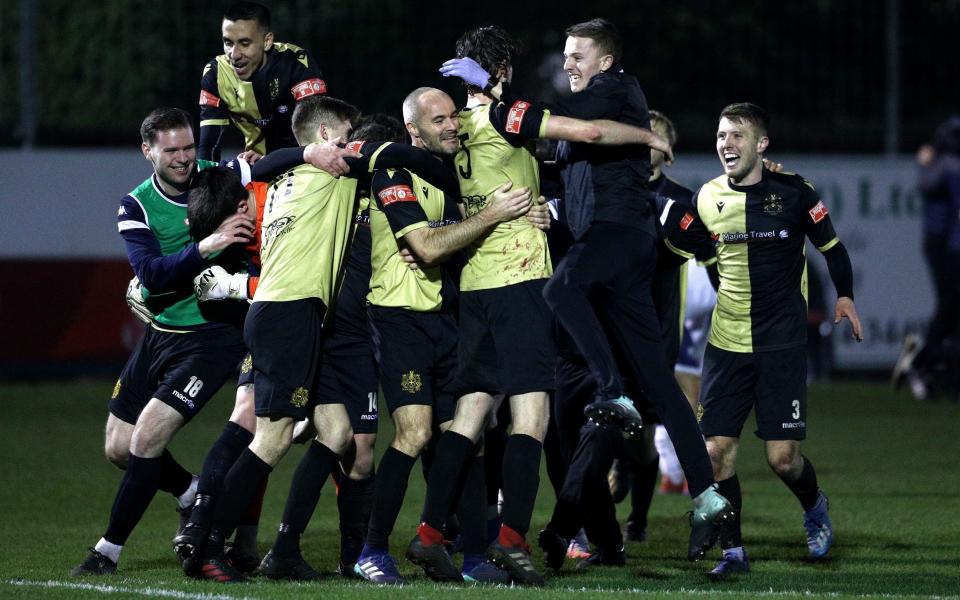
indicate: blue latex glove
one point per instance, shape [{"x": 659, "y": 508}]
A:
[{"x": 466, "y": 69}]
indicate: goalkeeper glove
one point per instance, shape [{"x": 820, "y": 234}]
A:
[
  {"x": 137, "y": 303},
  {"x": 470, "y": 72},
  {"x": 215, "y": 283}
]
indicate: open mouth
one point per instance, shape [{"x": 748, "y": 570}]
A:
[
  {"x": 731, "y": 160},
  {"x": 573, "y": 78}
]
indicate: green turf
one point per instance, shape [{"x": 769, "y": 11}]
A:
[{"x": 888, "y": 463}]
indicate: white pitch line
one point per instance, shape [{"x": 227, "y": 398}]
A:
[
  {"x": 768, "y": 593},
  {"x": 114, "y": 589}
]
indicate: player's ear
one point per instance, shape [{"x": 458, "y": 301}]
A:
[
  {"x": 762, "y": 144},
  {"x": 322, "y": 133},
  {"x": 146, "y": 151},
  {"x": 412, "y": 130},
  {"x": 606, "y": 61},
  {"x": 268, "y": 41}
]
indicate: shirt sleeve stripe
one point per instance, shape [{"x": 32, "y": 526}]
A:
[
  {"x": 411, "y": 227},
  {"x": 829, "y": 245},
  {"x": 214, "y": 122},
  {"x": 128, "y": 225},
  {"x": 677, "y": 251}
]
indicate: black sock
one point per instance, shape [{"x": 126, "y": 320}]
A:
[
  {"x": 239, "y": 485},
  {"x": 730, "y": 534},
  {"x": 521, "y": 479},
  {"x": 174, "y": 479},
  {"x": 305, "y": 488},
  {"x": 427, "y": 456},
  {"x": 643, "y": 483},
  {"x": 390, "y": 489},
  {"x": 354, "y": 502},
  {"x": 448, "y": 464},
  {"x": 137, "y": 489},
  {"x": 805, "y": 486},
  {"x": 218, "y": 461},
  {"x": 472, "y": 508}
]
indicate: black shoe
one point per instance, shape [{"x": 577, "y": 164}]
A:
[
  {"x": 220, "y": 570},
  {"x": 433, "y": 559},
  {"x": 618, "y": 412},
  {"x": 184, "y": 515},
  {"x": 347, "y": 570},
  {"x": 292, "y": 568},
  {"x": 243, "y": 559},
  {"x": 711, "y": 510},
  {"x": 635, "y": 533},
  {"x": 94, "y": 564},
  {"x": 603, "y": 558},
  {"x": 189, "y": 544},
  {"x": 554, "y": 548},
  {"x": 516, "y": 561}
]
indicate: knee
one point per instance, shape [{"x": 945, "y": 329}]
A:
[
  {"x": 412, "y": 440},
  {"x": 117, "y": 451},
  {"x": 148, "y": 442},
  {"x": 362, "y": 467},
  {"x": 784, "y": 463},
  {"x": 270, "y": 444},
  {"x": 336, "y": 435},
  {"x": 721, "y": 459}
]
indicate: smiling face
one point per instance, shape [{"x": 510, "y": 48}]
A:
[
  {"x": 173, "y": 154},
  {"x": 436, "y": 125},
  {"x": 582, "y": 60},
  {"x": 740, "y": 146},
  {"x": 245, "y": 43}
]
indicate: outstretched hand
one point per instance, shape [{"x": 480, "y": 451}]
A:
[{"x": 466, "y": 69}]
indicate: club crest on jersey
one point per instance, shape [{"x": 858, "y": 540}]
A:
[
  {"x": 772, "y": 204},
  {"x": 515, "y": 118},
  {"x": 411, "y": 382},
  {"x": 247, "y": 364},
  {"x": 299, "y": 397},
  {"x": 274, "y": 89},
  {"x": 818, "y": 212},
  {"x": 307, "y": 88},
  {"x": 208, "y": 99},
  {"x": 396, "y": 193}
]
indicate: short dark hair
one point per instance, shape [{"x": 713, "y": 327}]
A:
[
  {"x": 248, "y": 11},
  {"x": 314, "y": 110},
  {"x": 379, "y": 127},
  {"x": 747, "y": 111},
  {"x": 603, "y": 33},
  {"x": 163, "y": 119},
  {"x": 491, "y": 46},
  {"x": 658, "y": 117},
  {"x": 215, "y": 194}
]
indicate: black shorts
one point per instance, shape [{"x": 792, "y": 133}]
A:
[
  {"x": 284, "y": 339},
  {"x": 348, "y": 376},
  {"x": 775, "y": 382},
  {"x": 416, "y": 353},
  {"x": 506, "y": 341},
  {"x": 182, "y": 370},
  {"x": 246, "y": 371}
]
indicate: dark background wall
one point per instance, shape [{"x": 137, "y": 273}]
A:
[{"x": 820, "y": 66}]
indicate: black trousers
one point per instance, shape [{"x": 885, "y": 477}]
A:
[{"x": 609, "y": 272}]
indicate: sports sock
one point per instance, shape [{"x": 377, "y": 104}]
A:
[
  {"x": 669, "y": 464},
  {"x": 305, "y": 488},
  {"x": 471, "y": 560},
  {"x": 805, "y": 486},
  {"x": 390, "y": 489},
  {"x": 521, "y": 479},
  {"x": 239, "y": 485},
  {"x": 448, "y": 464},
  {"x": 189, "y": 497},
  {"x": 174, "y": 479},
  {"x": 137, "y": 489},
  {"x": 221, "y": 456},
  {"x": 111, "y": 551},
  {"x": 641, "y": 493},
  {"x": 730, "y": 534},
  {"x": 471, "y": 509},
  {"x": 354, "y": 502},
  {"x": 251, "y": 516}
]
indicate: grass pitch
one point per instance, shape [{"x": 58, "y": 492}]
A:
[{"x": 888, "y": 464}]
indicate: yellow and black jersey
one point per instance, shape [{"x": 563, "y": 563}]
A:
[
  {"x": 260, "y": 108},
  {"x": 759, "y": 232},
  {"x": 494, "y": 149},
  {"x": 308, "y": 220},
  {"x": 403, "y": 202}
]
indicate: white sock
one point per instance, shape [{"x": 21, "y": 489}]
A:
[
  {"x": 669, "y": 463},
  {"x": 186, "y": 499},
  {"x": 111, "y": 551}
]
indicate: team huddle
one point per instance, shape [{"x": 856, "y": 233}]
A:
[{"x": 343, "y": 256}]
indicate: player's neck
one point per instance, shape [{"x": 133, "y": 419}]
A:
[
  {"x": 655, "y": 173},
  {"x": 478, "y": 99},
  {"x": 752, "y": 177}
]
